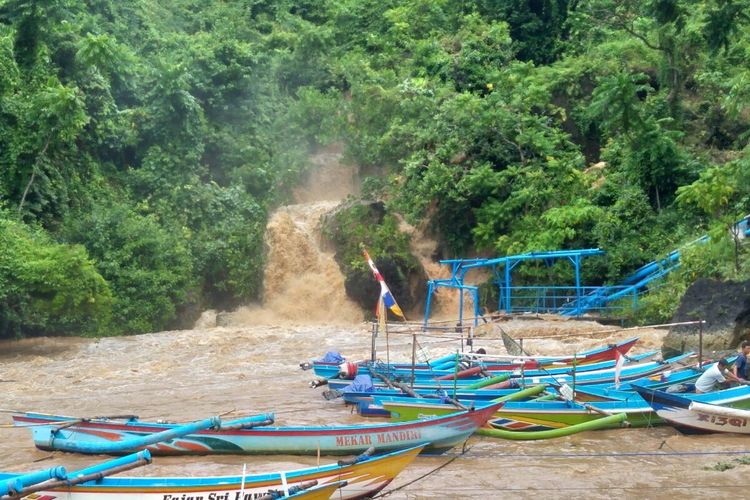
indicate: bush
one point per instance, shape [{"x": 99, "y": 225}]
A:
[
  {"x": 147, "y": 265},
  {"x": 48, "y": 288}
]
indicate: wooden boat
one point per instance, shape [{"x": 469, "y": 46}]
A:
[
  {"x": 684, "y": 376},
  {"x": 305, "y": 492},
  {"x": 545, "y": 415},
  {"x": 323, "y": 492},
  {"x": 608, "y": 392},
  {"x": 374, "y": 406},
  {"x": 490, "y": 364},
  {"x": 362, "y": 479},
  {"x": 602, "y": 423},
  {"x": 694, "y": 417},
  {"x": 533, "y": 415},
  {"x": 477, "y": 373},
  {"x": 605, "y": 376},
  {"x": 52, "y": 432}
]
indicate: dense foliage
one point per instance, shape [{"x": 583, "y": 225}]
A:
[{"x": 143, "y": 143}]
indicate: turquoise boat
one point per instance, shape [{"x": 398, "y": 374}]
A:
[
  {"x": 439, "y": 434},
  {"x": 446, "y": 364},
  {"x": 570, "y": 377}
]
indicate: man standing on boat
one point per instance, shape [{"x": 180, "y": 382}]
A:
[
  {"x": 712, "y": 378},
  {"x": 740, "y": 366}
]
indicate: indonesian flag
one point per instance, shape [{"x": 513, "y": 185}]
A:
[
  {"x": 619, "y": 361},
  {"x": 386, "y": 297}
]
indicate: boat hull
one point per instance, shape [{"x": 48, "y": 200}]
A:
[
  {"x": 701, "y": 418},
  {"x": 533, "y": 416},
  {"x": 605, "y": 353},
  {"x": 607, "y": 376},
  {"x": 363, "y": 479},
  {"x": 441, "y": 433}
]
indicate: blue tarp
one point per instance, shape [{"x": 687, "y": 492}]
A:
[
  {"x": 361, "y": 383},
  {"x": 332, "y": 357}
]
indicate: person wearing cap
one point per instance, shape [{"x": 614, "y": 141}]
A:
[{"x": 716, "y": 375}]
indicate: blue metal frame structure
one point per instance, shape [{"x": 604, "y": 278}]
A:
[{"x": 459, "y": 268}]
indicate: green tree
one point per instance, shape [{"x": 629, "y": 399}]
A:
[
  {"x": 59, "y": 115},
  {"x": 721, "y": 193},
  {"x": 724, "y": 19},
  {"x": 48, "y": 288},
  {"x": 99, "y": 51},
  {"x": 147, "y": 265},
  {"x": 616, "y": 102}
]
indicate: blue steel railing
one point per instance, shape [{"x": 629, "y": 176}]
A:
[{"x": 561, "y": 299}]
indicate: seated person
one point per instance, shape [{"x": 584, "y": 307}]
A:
[{"x": 712, "y": 378}]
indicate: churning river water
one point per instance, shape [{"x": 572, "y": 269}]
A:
[{"x": 185, "y": 375}]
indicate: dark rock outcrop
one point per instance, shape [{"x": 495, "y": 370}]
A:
[
  {"x": 723, "y": 305},
  {"x": 405, "y": 276},
  {"x": 409, "y": 287}
]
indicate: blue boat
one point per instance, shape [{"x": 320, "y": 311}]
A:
[
  {"x": 446, "y": 364},
  {"x": 570, "y": 377}
]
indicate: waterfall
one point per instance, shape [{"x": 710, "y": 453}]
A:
[{"x": 302, "y": 282}]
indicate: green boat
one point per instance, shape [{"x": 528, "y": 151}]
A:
[{"x": 546, "y": 415}]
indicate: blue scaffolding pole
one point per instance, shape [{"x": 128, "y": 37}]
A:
[
  {"x": 456, "y": 282},
  {"x": 459, "y": 268}
]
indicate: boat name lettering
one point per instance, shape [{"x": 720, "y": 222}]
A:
[
  {"x": 224, "y": 495},
  {"x": 354, "y": 440},
  {"x": 394, "y": 436},
  {"x": 733, "y": 421}
]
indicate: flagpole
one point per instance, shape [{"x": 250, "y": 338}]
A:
[
  {"x": 413, "y": 356},
  {"x": 387, "y": 347},
  {"x": 383, "y": 321}
]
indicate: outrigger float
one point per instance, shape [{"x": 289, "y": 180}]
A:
[{"x": 358, "y": 478}]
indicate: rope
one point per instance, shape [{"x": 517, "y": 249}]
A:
[
  {"x": 386, "y": 493},
  {"x": 222, "y": 382},
  {"x": 5, "y": 410},
  {"x": 617, "y": 330},
  {"x": 609, "y": 488},
  {"x": 626, "y": 454}
]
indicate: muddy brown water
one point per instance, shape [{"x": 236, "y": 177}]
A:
[{"x": 185, "y": 375}]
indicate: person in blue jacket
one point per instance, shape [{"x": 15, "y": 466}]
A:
[{"x": 740, "y": 366}]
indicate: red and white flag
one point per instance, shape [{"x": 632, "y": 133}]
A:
[{"x": 386, "y": 297}]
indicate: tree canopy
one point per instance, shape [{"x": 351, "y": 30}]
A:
[{"x": 143, "y": 143}]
